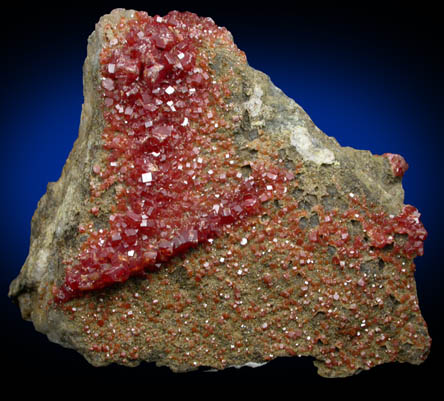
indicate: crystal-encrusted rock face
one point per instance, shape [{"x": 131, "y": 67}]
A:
[
  {"x": 203, "y": 220},
  {"x": 178, "y": 183}
]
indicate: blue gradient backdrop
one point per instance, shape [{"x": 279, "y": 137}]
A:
[{"x": 373, "y": 82}]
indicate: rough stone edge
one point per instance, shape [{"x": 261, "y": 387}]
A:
[{"x": 29, "y": 289}]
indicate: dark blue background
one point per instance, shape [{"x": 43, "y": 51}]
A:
[{"x": 370, "y": 78}]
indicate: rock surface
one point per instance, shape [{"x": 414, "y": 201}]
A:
[{"x": 316, "y": 261}]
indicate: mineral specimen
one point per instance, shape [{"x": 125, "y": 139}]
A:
[{"x": 203, "y": 220}]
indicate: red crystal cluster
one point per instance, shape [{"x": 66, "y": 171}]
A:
[
  {"x": 382, "y": 228},
  {"x": 379, "y": 231},
  {"x": 163, "y": 108},
  {"x": 397, "y": 163},
  {"x": 379, "y": 228},
  {"x": 328, "y": 290}
]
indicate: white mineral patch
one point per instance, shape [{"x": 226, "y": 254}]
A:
[
  {"x": 254, "y": 104},
  {"x": 40, "y": 266},
  {"x": 308, "y": 149},
  {"x": 248, "y": 365}
]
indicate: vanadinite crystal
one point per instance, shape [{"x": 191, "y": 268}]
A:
[{"x": 203, "y": 220}]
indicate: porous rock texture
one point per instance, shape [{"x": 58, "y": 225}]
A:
[{"x": 323, "y": 267}]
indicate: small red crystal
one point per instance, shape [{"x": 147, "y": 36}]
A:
[{"x": 398, "y": 164}]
